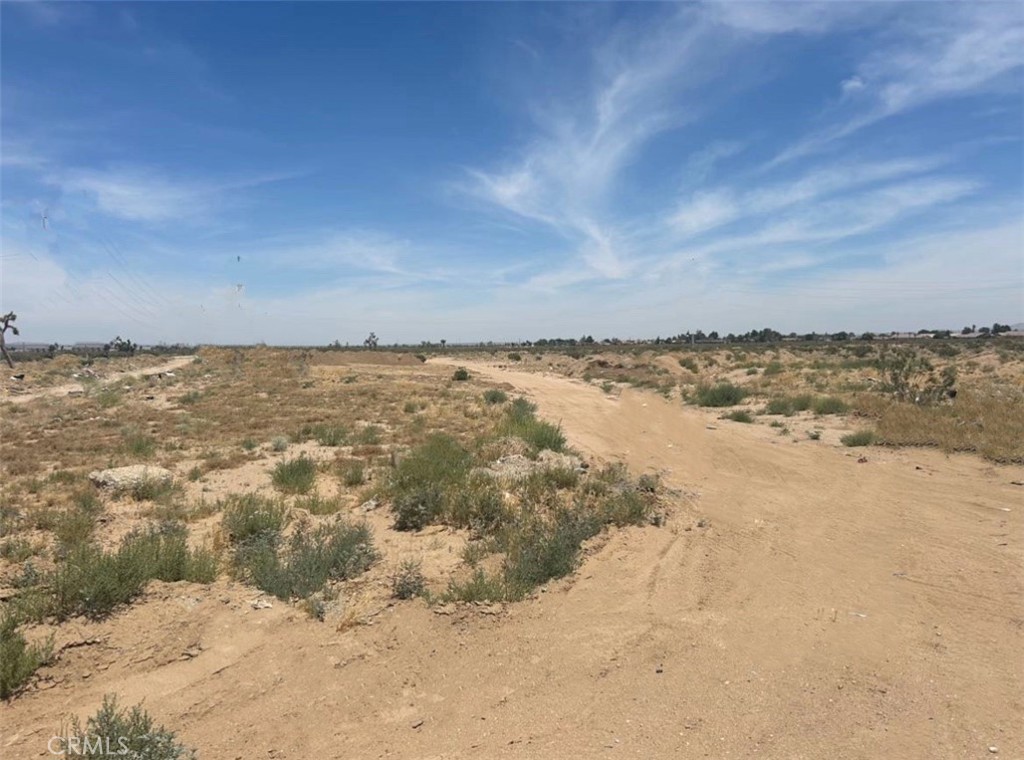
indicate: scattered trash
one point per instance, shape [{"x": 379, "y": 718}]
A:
[
  {"x": 859, "y": 614},
  {"x": 19, "y": 376},
  {"x": 862, "y": 460},
  {"x": 260, "y": 604},
  {"x": 711, "y": 427}
]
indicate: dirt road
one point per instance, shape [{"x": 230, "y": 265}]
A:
[{"x": 826, "y": 608}]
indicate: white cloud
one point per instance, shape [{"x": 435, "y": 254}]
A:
[
  {"x": 703, "y": 212},
  {"x": 852, "y": 85},
  {"x": 932, "y": 51},
  {"x": 567, "y": 173}
]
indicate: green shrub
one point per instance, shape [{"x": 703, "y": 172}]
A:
[
  {"x": 751, "y": 371},
  {"x": 495, "y": 396},
  {"x": 139, "y": 444},
  {"x": 312, "y": 557},
  {"x": 689, "y": 363},
  {"x": 369, "y": 435},
  {"x": 802, "y": 402},
  {"x": 153, "y": 489},
  {"x": 352, "y": 473},
  {"x": 279, "y": 444},
  {"x": 440, "y": 460},
  {"x": 75, "y": 525},
  {"x": 830, "y": 405},
  {"x": 480, "y": 587},
  {"x": 17, "y": 549},
  {"x": 18, "y": 659},
  {"x": 416, "y": 508},
  {"x": 773, "y": 368},
  {"x": 779, "y": 406},
  {"x": 124, "y": 733},
  {"x": 249, "y": 444},
  {"x": 316, "y": 504},
  {"x": 559, "y": 477},
  {"x": 326, "y": 435},
  {"x": 93, "y": 583},
  {"x": 740, "y": 415},
  {"x": 295, "y": 476},
  {"x": 477, "y": 504},
  {"x": 408, "y": 581},
  {"x": 814, "y": 435},
  {"x": 519, "y": 422},
  {"x": 860, "y": 438},
  {"x": 626, "y": 507},
  {"x": 461, "y": 374},
  {"x": 539, "y": 549},
  {"x": 514, "y": 357},
  {"x": 723, "y": 394},
  {"x": 252, "y": 517}
]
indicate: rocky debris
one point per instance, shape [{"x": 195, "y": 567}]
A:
[
  {"x": 506, "y": 446},
  {"x": 513, "y": 468},
  {"x": 260, "y": 604},
  {"x": 369, "y": 505},
  {"x": 552, "y": 460},
  {"x": 132, "y": 476}
]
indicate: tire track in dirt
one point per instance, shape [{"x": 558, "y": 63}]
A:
[
  {"x": 828, "y": 609},
  {"x": 806, "y": 560}
]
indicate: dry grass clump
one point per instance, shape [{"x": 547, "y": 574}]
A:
[{"x": 985, "y": 419}]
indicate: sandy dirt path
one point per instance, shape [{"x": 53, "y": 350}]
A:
[
  {"x": 66, "y": 388},
  {"x": 827, "y": 609}
]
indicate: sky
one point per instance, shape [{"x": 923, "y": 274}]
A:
[{"x": 304, "y": 172}]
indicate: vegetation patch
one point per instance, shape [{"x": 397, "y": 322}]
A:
[
  {"x": 124, "y": 733},
  {"x": 312, "y": 556},
  {"x": 295, "y": 476},
  {"x": 830, "y": 405},
  {"x": 723, "y": 394},
  {"x": 520, "y": 421},
  {"x": 18, "y": 659},
  {"x": 94, "y": 583},
  {"x": 495, "y": 396},
  {"x": 859, "y": 438}
]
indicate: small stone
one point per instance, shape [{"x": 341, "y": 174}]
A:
[
  {"x": 993, "y": 749},
  {"x": 418, "y": 723}
]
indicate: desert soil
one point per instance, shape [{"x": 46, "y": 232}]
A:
[
  {"x": 18, "y": 397},
  {"x": 799, "y": 603}
]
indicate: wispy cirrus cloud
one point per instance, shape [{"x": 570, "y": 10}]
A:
[
  {"x": 147, "y": 195},
  {"x": 966, "y": 49},
  {"x": 565, "y": 177}
]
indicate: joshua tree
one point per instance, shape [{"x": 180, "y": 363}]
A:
[
  {"x": 371, "y": 341},
  {"x": 7, "y": 323}
]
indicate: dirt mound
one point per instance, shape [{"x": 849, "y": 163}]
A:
[{"x": 382, "y": 358}]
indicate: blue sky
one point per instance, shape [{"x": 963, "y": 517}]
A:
[{"x": 305, "y": 172}]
